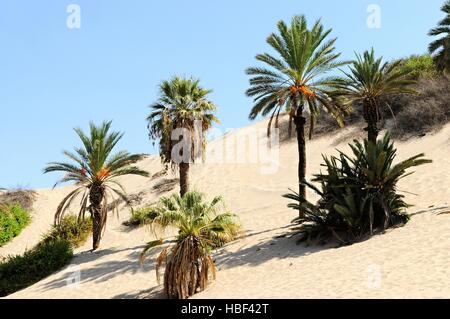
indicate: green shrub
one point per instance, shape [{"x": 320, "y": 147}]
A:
[
  {"x": 420, "y": 66},
  {"x": 19, "y": 272},
  {"x": 53, "y": 252},
  {"x": 358, "y": 194},
  {"x": 70, "y": 229},
  {"x": 141, "y": 216},
  {"x": 13, "y": 219}
]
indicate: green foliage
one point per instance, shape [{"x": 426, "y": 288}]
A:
[
  {"x": 141, "y": 216},
  {"x": 201, "y": 228},
  {"x": 13, "y": 219},
  {"x": 182, "y": 102},
  {"x": 358, "y": 194},
  {"x": 440, "y": 48},
  {"x": 192, "y": 215},
  {"x": 95, "y": 170},
  {"x": 19, "y": 272},
  {"x": 54, "y": 251},
  {"x": 294, "y": 79},
  {"x": 370, "y": 78},
  {"x": 418, "y": 66},
  {"x": 70, "y": 229}
]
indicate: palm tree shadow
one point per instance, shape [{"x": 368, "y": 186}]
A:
[
  {"x": 152, "y": 293},
  {"x": 269, "y": 248},
  {"x": 103, "y": 271}
]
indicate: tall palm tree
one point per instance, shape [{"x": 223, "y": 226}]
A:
[
  {"x": 183, "y": 105},
  {"x": 295, "y": 80},
  {"x": 95, "y": 170},
  {"x": 201, "y": 228},
  {"x": 368, "y": 80},
  {"x": 441, "y": 47}
]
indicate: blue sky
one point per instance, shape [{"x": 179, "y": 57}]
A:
[{"x": 53, "y": 78}]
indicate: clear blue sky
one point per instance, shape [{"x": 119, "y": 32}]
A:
[{"x": 53, "y": 78}]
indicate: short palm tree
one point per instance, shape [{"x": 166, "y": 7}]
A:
[
  {"x": 183, "y": 106},
  {"x": 295, "y": 80},
  {"x": 441, "y": 47},
  {"x": 368, "y": 80},
  {"x": 201, "y": 228},
  {"x": 95, "y": 170}
]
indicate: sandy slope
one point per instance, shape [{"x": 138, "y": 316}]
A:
[{"x": 412, "y": 261}]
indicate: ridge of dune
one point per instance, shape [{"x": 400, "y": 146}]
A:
[{"x": 408, "y": 262}]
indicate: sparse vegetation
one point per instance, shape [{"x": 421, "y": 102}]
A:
[
  {"x": 21, "y": 271},
  {"x": 419, "y": 114},
  {"x": 70, "y": 229},
  {"x": 13, "y": 219},
  {"x": 23, "y": 197},
  {"x": 201, "y": 228},
  {"x": 358, "y": 194}
]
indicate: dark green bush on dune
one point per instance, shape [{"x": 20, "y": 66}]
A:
[
  {"x": 19, "y": 272},
  {"x": 13, "y": 219},
  {"x": 141, "y": 216},
  {"x": 358, "y": 194},
  {"x": 54, "y": 252}
]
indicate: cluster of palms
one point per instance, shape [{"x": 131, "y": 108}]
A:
[{"x": 295, "y": 80}]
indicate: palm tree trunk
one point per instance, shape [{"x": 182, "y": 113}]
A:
[
  {"x": 299, "y": 122},
  {"x": 96, "y": 197},
  {"x": 184, "y": 178},
  {"x": 371, "y": 118}
]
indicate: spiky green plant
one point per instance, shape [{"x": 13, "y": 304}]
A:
[
  {"x": 367, "y": 81},
  {"x": 201, "y": 228},
  {"x": 440, "y": 48},
  {"x": 182, "y": 110},
  {"x": 94, "y": 170},
  {"x": 358, "y": 194},
  {"x": 294, "y": 80}
]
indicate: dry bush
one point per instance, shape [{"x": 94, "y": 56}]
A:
[
  {"x": 404, "y": 115},
  {"x": 426, "y": 112},
  {"x": 23, "y": 197}
]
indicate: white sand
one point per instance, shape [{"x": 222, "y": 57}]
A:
[{"x": 408, "y": 262}]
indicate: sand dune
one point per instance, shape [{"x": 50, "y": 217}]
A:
[{"x": 408, "y": 262}]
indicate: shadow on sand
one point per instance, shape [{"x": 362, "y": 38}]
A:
[{"x": 102, "y": 271}]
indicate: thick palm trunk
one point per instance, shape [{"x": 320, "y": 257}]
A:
[
  {"x": 184, "y": 178},
  {"x": 188, "y": 269},
  {"x": 371, "y": 117},
  {"x": 299, "y": 122},
  {"x": 96, "y": 197}
]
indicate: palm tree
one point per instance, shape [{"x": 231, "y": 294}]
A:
[
  {"x": 201, "y": 228},
  {"x": 294, "y": 81},
  {"x": 441, "y": 47},
  {"x": 368, "y": 80},
  {"x": 95, "y": 171},
  {"x": 182, "y": 110}
]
